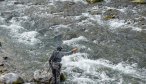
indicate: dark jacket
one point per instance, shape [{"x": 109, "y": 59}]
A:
[{"x": 57, "y": 56}]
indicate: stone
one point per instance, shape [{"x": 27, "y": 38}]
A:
[
  {"x": 18, "y": 2},
  {"x": 62, "y": 77},
  {"x": 5, "y": 58},
  {"x": 93, "y": 1},
  {"x": 0, "y": 44},
  {"x": 2, "y": 64},
  {"x": 139, "y": 1},
  {"x": 69, "y": 36},
  {"x": 113, "y": 14},
  {"x": 2, "y": 0},
  {"x": 45, "y": 77},
  {"x": 109, "y": 17},
  {"x": 11, "y": 78},
  {"x": 42, "y": 76}
]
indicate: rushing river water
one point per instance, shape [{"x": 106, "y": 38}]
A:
[{"x": 112, "y": 50}]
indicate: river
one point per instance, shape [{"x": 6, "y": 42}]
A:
[{"x": 110, "y": 36}]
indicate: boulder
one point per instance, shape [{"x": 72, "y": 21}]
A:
[
  {"x": 45, "y": 77},
  {"x": 42, "y": 76},
  {"x": 93, "y": 1},
  {"x": 139, "y": 1},
  {"x": 11, "y": 78}
]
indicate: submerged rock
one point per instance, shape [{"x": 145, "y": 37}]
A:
[
  {"x": 69, "y": 36},
  {"x": 11, "y": 78},
  {"x": 93, "y": 1},
  {"x": 112, "y": 14}
]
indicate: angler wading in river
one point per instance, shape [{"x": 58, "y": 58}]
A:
[{"x": 55, "y": 64}]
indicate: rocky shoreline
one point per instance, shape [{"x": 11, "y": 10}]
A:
[{"x": 8, "y": 77}]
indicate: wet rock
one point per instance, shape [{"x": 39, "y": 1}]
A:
[
  {"x": 139, "y": 1},
  {"x": 18, "y": 2},
  {"x": 2, "y": 64},
  {"x": 46, "y": 77},
  {"x": 5, "y": 58},
  {"x": 2, "y": 0},
  {"x": 11, "y": 78},
  {"x": 33, "y": 2},
  {"x": 62, "y": 77},
  {"x": 113, "y": 14},
  {"x": 42, "y": 77},
  {"x": 69, "y": 36},
  {"x": 0, "y": 44},
  {"x": 93, "y": 1},
  {"x": 3, "y": 69}
]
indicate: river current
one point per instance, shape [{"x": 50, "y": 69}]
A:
[{"x": 110, "y": 36}]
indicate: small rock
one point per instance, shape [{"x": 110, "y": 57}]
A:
[
  {"x": 109, "y": 17},
  {"x": 5, "y": 58},
  {"x": 113, "y": 14},
  {"x": 2, "y": 64},
  {"x": 2, "y": 0},
  {"x": 93, "y": 1},
  {"x": 3, "y": 70},
  {"x": 139, "y": 1},
  {"x": 62, "y": 77},
  {"x": 46, "y": 77},
  {"x": 69, "y": 36},
  {"x": 0, "y": 44},
  {"x": 11, "y": 78},
  {"x": 18, "y": 3}
]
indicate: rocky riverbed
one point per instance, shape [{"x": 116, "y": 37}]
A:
[{"x": 110, "y": 36}]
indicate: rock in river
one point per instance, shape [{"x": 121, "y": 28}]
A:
[{"x": 11, "y": 78}]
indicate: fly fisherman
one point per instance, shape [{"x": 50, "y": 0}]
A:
[{"x": 55, "y": 64}]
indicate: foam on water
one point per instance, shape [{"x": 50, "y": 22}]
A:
[
  {"x": 97, "y": 68},
  {"x": 81, "y": 61},
  {"x": 116, "y": 23},
  {"x": 74, "y": 42},
  {"x": 1, "y": 19},
  {"x": 82, "y": 80},
  {"x": 112, "y": 24},
  {"x": 28, "y": 37},
  {"x": 20, "y": 34},
  {"x": 14, "y": 29}
]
